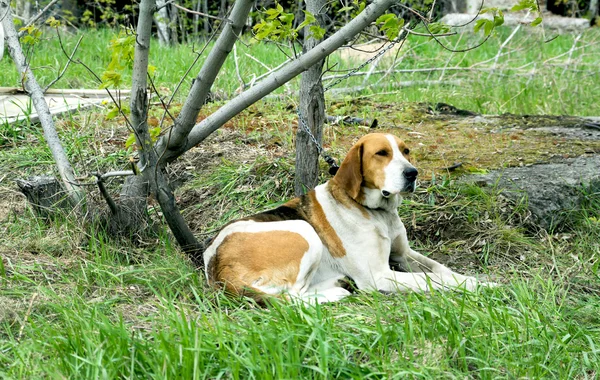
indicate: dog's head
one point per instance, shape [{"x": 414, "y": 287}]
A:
[{"x": 377, "y": 168}]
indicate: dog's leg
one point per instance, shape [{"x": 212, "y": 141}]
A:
[
  {"x": 392, "y": 281},
  {"x": 330, "y": 290},
  {"x": 412, "y": 261}
]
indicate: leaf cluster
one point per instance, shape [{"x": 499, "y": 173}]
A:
[
  {"x": 122, "y": 49},
  {"x": 278, "y": 25},
  {"x": 390, "y": 24},
  {"x": 489, "y": 25},
  {"x": 530, "y": 5},
  {"x": 32, "y": 35}
]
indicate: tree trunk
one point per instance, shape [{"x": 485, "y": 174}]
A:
[
  {"x": 76, "y": 195},
  {"x": 173, "y": 25},
  {"x": 153, "y": 174},
  {"x": 311, "y": 110},
  {"x": 162, "y": 27},
  {"x": 206, "y": 21}
]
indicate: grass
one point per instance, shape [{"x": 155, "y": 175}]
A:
[
  {"x": 529, "y": 76},
  {"x": 75, "y": 303},
  {"x": 101, "y": 310}
]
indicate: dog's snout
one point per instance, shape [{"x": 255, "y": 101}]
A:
[{"x": 410, "y": 174}]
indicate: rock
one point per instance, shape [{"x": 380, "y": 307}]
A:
[{"x": 552, "y": 189}]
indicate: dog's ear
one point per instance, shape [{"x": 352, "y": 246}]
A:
[{"x": 349, "y": 175}]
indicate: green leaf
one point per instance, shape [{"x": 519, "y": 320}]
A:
[
  {"x": 438, "y": 28},
  {"x": 498, "y": 19},
  {"x": 286, "y": 18},
  {"x": 478, "y": 24},
  {"x": 536, "y": 22},
  {"x": 317, "y": 32},
  {"x": 130, "y": 141},
  {"x": 361, "y": 6},
  {"x": 309, "y": 18},
  {"x": 346, "y": 9},
  {"x": 525, "y": 4},
  {"x": 154, "y": 133},
  {"x": 110, "y": 78},
  {"x": 488, "y": 27},
  {"x": 384, "y": 18},
  {"x": 272, "y": 14},
  {"x": 114, "y": 112}
]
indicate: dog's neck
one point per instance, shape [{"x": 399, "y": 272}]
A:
[{"x": 374, "y": 200}]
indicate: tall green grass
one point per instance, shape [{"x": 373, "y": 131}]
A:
[{"x": 530, "y": 76}]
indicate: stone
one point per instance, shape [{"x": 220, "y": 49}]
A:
[{"x": 552, "y": 189}]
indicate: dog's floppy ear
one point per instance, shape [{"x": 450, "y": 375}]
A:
[{"x": 349, "y": 175}]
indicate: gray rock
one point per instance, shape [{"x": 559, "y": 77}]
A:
[{"x": 552, "y": 189}]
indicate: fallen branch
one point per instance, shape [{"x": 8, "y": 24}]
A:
[
  {"x": 350, "y": 120},
  {"x": 346, "y": 90}
]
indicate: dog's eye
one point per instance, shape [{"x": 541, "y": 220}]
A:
[
  {"x": 382, "y": 152},
  {"x": 406, "y": 151}
]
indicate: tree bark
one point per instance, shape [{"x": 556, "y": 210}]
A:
[
  {"x": 76, "y": 195},
  {"x": 311, "y": 110},
  {"x": 162, "y": 27},
  {"x": 153, "y": 174}
]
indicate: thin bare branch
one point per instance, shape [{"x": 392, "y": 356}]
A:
[
  {"x": 66, "y": 65},
  {"x": 197, "y": 13}
]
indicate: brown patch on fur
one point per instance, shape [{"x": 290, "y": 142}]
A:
[
  {"x": 374, "y": 163},
  {"x": 246, "y": 260},
  {"x": 319, "y": 221},
  {"x": 349, "y": 176},
  {"x": 292, "y": 203}
]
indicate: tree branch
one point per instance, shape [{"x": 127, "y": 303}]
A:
[
  {"x": 282, "y": 76},
  {"x": 148, "y": 157},
  {"x": 205, "y": 79}
]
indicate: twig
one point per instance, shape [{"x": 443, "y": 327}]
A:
[
  {"x": 36, "y": 17},
  {"x": 66, "y": 66},
  {"x": 26, "y": 316},
  {"x": 118, "y": 173},
  {"x": 237, "y": 68},
  {"x": 198, "y": 13},
  {"x": 265, "y": 74},
  {"x": 111, "y": 204},
  {"x": 571, "y": 52},
  {"x": 506, "y": 41},
  {"x": 396, "y": 85}
]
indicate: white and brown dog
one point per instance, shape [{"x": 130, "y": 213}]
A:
[{"x": 347, "y": 227}]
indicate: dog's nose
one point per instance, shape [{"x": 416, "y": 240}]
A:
[{"x": 410, "y": 174}]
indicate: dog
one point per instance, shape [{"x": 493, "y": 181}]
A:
[{"x": 347, "y": 227}]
